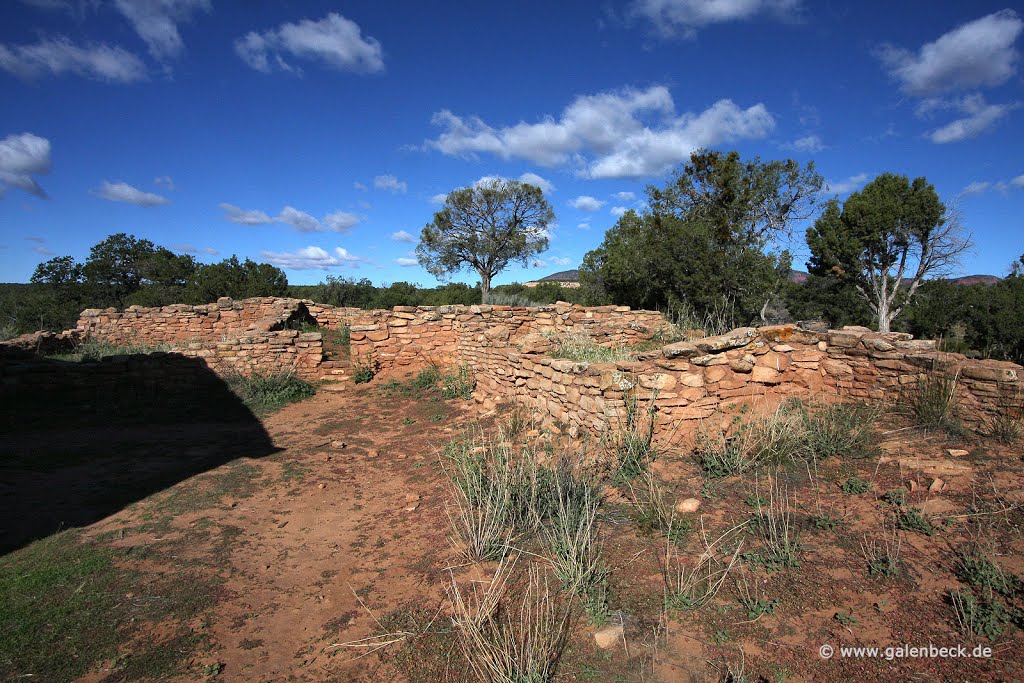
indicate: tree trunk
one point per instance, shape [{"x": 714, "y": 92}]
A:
[
  {"x": 884, "y": 319},
  {"x": 485, "y": 287}
]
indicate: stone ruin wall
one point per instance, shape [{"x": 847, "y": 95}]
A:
[{"x": 506, "y": 349}]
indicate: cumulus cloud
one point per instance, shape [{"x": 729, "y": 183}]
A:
[
  {"x": 361, "y": 187},
  {"x": 618, "y": 210},
  {"x": 406, "y": 262},
  {"x": 1018, "y": 181},
  {"x": 57, "y": 56},
  {"x": 244, "y": 216},
  {"x": 402, "y": 236},
  {"x": 978, "y": 53},
  {"x": 544, "y": 184},
  {"x": 586, "y": 203},
  {"x": 583, "y": 226},
  {"x": 334, "y": 41},
  {"x": 390, "y": 183},
  {"x": 123, "y": 192},
  {"x": 560, "y": 260},
  {"x": 625, "y": 196},
  {"x": 439, "y": 198},
  {"x": 22, "y": 156},
  {"x": 313, "y": 258},
  {"x": 977, "y": 117},
  {"x": 685, "y": 17},
  {"x": 854, "y": 182},
  {"x": 165, "y": 182},
  {"x": 977, "y": 187},
  {"x": 626, "y": 133},
  {"x": 156, "y": 22},
  {"x": 809, "y": 144},
  {"x": 339, "y": 221}
]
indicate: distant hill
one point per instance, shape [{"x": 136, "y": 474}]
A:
[{"x": 800, "y": 277}]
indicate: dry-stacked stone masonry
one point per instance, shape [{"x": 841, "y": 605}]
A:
[{"x": 507, "y": 349}]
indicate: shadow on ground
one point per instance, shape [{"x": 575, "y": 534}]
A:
[{"x": 82, "y": 440}]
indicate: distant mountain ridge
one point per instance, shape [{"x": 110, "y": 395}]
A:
[{"x": 800, "y": 277}]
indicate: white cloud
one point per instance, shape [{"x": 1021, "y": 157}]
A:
[
  {"x": 359, "y": 186},
  {"x": 439, "y": 198},
  {"x": 978, "y": 53},
  {"x": 406, "y": 262},
  {"x": 533, "y": 179},
  {"x": 165, "y": 182},
  {"x": 684, "y": 17},
  {"x": 560, "y": 260},
  {"x": 977, "y": 187},
  {"x": 36, "y": 238},
  {"x": 808, "y": 143},
  {"x": 586, "y": 203},
  {"x": 123, "y": 192},
  {"x": 626, "y": 133},
  {"x": 402, "y": 236},
  {"x": 538, "y": 263},
  {"x": 390, "y": 182},
  {"x": 22, "y": 156},
  {"x": 244, "y": 216},
  {"x": 618, "y": 210},
  {"x": 583, "y": 226},
  {"x": 334, "y": 40},
  {"x": 624, "y": 196},
  {"x": 1018, "y": 181},
  {"x": 854, "y": 182},
  {"x": 43, "y": 251},
  {"x": 156, "y": 22},
  {"x": 192, "y": 249},
  {"x": 978, "y": 117},
  {"x": 339, "y": 221},
  {"x": 210, "y": 251},
  {"x": 312, "y": 258},
  {"x": 56, "y": 56}
]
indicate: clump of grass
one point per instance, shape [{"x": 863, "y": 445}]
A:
[
  {"x": 896, "y": 497},
  {"x": 654, "y": 509},
  {"x": 855, "y": 486},
  {"x": 572, "y": 539},
  {"x": 932, "y": 402},
  {"x": 912, "y": 519},
  {"x": 511, "y": 632},
  {"x": 882, "y": 553},
  {"x": 632, "y": 443},
  {"x": 93, "y": 349},
  {"x": 773, "y": 523},
  {"x": 458, "y": 383},
  {"x": 684, "y": 319},
  {"x": 426, "y": 378},
  {"x": 581, "y": 347},
  {"x": 692, "y": 584},
  {"x": 269, "y": 392},
  {"x": 978, "y": 616},
  {"x": 1006, "y": 427},
  {"x": 756, "y": 606},
  {"x": 975, "y": 568},
  {"x": 838, "y": 429},
  {"x": 363, "y": 371}
]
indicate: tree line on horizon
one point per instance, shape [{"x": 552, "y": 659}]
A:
[{"x": 708, "y": 239}]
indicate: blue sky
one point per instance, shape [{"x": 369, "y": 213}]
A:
[{"x": 320, "y": 136}]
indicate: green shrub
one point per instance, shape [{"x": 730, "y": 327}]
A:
[
  {"x": 855, "y": 486},
  {"x": 458, "y": 384},
  {"x": 363, "y": 372},
  {"x": 932, "y": 402},
  {"x": 632, "y": 443},
  {"x": 427, "y": 378},
  {"x": 978, "y": 617},
  {"x": 913, "y": 520},
  {"x": 842, "y": 429},
  {"x": 267, "y": 393},
  {"x": 973, "y": 567}
]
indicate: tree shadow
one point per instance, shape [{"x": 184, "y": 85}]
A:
[{"x": 82, "y": 441}]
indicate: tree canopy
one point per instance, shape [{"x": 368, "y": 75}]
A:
[
  {"x": 486, "y": 227},
  {"x": 884, "y": 241}
]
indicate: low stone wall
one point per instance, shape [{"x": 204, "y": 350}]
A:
[
  {"x": 442, "y": 335},
  {"x": 693, "y": 380}
]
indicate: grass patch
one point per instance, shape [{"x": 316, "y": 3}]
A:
[
  {"x": 632, "y": 443},
  {"x": 581, "y": 347},
  {"x": 363, "y": 372},
  {"x": 64, "y": 611},
  {"x": 458, "y": 383},
  {"x": 264, "y": 394},
  {"x": 932, "y": 402},
  {"x": 854, "y": 486},
  {"x": 92, "y": 350}
]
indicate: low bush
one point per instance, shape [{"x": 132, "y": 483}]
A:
[
  {"x": 95, "y": 349},
  {"x": 459, "y": 383},
  {"x": 266, "y": 393},
  {"x": 363, "y": 371},
  {"x": 932, "y": 402},
  {"x": 631, "y": 443},
  {"x": 581, "y": 347}
]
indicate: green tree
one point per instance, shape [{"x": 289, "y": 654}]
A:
[
  {"x": 885, "y": 241},
  {"x": 238, "y": 280},
  {"x": 486, "y": 227},
  {"x": 706, "y": 239}
]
